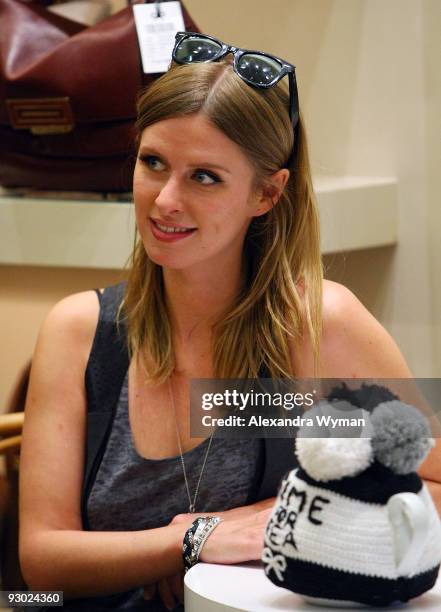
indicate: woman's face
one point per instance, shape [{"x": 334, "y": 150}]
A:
[{"x": 193, "y": 194}]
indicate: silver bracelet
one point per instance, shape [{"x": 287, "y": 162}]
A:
[{"x": 195, "y": 538}]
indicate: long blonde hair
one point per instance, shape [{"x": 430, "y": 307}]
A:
[{"x": 282, "y": 297}]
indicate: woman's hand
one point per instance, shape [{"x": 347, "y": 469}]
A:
[
  {"x": 236, "y": 540},
  {"x": 238, "y": 537},
  {"x": 171, "y": 590},
  {"x": 227, "y": 515}
]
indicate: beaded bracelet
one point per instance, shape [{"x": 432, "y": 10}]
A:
[{"x": 195, "y": 538}]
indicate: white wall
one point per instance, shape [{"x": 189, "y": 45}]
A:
[{"x": 368, "y": 74}]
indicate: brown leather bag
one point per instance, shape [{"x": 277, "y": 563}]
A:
[{"x": 67, "y": 99}]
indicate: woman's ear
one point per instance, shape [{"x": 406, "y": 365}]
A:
[{"x": 269, "y": 194}]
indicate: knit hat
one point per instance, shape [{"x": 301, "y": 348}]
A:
[{"x": 355, "y": 523}]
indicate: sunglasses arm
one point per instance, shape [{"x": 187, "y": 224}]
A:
[{"x": 294, "y": 105}]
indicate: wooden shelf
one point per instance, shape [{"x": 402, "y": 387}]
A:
[{"x": 355, "y": 213}]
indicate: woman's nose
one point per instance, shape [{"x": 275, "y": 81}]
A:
[{"x": 170, "y": 197}]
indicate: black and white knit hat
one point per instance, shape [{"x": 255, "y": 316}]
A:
[{"x": 340, "y": 531}]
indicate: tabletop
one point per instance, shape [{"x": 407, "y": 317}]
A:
[{"x": 245, "y": 588}]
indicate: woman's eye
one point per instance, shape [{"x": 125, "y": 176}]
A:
[
  {"x": 206, "y": 178},
  {"x": 203, "y": 177},
  {"x": 152, "y": 162}
]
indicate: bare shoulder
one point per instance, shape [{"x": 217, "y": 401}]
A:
[
  {"x": 77, "y": 307},
  {"x": 354, "y": 344},
  {"x": 61, "y": 353},
  {"x": 74, "y": 319},
  {"x": 55, "y": 423}
]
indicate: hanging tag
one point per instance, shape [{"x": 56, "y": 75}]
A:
[{"x": 156, "y": 34}]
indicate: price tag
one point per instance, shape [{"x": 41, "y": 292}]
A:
[{"x": 156, "y": 33}]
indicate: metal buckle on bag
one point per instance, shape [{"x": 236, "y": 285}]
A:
[{"x": 41, "y": 115}]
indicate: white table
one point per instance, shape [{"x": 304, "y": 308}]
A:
[{"x": 244, "y": 587}]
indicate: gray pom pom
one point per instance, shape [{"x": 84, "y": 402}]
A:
[{"x": 402, "y": 436}]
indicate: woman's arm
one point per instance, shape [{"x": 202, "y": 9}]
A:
[
  {"x": 430, "y": 471},
  {"x": 355, "y": 345},
  {"x": 55, "y": 552}
]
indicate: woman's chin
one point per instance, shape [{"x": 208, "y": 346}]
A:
[{"x": 166, "y": 260}]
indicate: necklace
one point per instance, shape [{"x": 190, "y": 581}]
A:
[{"x": 191, "y": 505}]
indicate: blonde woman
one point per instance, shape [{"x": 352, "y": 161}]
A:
[{"x": 225, "y": 281}]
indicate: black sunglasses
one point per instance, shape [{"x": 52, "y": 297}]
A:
[{"x": 258, "y": 69}]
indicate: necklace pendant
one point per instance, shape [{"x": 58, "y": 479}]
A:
[{"x": 191, "y": 508}]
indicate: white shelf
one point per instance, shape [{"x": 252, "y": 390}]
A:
[{"x": 355, "y": 213}]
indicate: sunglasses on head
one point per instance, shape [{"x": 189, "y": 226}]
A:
[{"x": 258, "y": 69}]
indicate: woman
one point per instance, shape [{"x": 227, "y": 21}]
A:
[{"x": 225, "y": 281}]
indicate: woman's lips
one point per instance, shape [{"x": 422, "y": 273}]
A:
[{"x": 169, "y": 236}]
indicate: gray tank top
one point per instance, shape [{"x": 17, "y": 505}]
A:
[{"x": 133, "y": 493}]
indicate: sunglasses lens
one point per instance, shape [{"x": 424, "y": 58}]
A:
[
  {"x": 259, "y": 69},
  {"x": 197, "y": 49}
]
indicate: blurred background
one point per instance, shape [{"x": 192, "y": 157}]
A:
[
  {"x": 368, "y": 74},
  {"x": 369, "y": 87}
]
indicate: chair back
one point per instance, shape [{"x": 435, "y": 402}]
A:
[{"x": 11, "y": 424}]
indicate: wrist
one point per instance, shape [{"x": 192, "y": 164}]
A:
[
  {"x": 244, "y": 511},
  {"x": 195, "y": 538}
]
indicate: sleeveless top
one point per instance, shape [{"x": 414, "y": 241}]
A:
[
  {"x": 124, "y": 491},
  {"x": 104, "y": 378},
  {"x": 131, "y": 493},
  {"x": 134, "y": 493}
]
